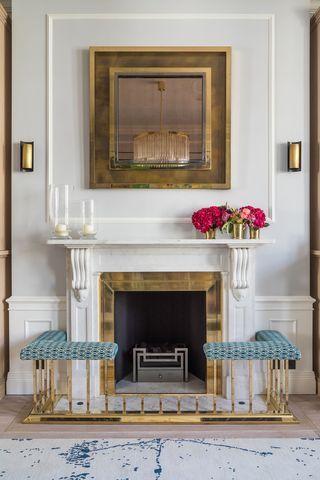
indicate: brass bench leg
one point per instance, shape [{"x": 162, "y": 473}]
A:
[
  {"x": 276, "y": 383},
  {"x": 45, "y": 380},
  {"x": 51, "y": 384},
  {"x": 35, "y": 387},
  {"x": 40, "y": 364},
  {"x": 88, "y": 385},
  {"x": 281, "y": 386},
  {"x": 69, "y": 384},
  {"x": 106, "y": 385},
  {"x": 287, "y": 384},
  {"x": 232, "y": 385},
  {"x": 268, "y": 384},
  {"x": 214, "y": 386},
  {"x": 250, "y": 387}
]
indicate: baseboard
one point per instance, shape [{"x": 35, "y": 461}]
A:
[
  {"x": 302, "y": 382},
  {"x": 2, "y": 387},
  {"x": 19, "y": 383}
]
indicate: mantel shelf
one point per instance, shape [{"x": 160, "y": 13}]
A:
[{"x": 221, "y": 242}]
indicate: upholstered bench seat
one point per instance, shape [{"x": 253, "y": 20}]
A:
[
  {"x": 51, "y": 336},
  {"x": 47, "y": 347},
  {"x": 270, "y": 345}
]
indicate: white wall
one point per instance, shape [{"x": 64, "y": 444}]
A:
[{"x": 282, "y": 269}]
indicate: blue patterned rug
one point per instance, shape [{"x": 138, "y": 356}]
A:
[{"x": 160, "y": 459}]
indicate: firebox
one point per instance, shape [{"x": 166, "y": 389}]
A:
[{"x": 161, "y": 308}]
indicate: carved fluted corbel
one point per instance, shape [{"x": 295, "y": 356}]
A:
[
  {"x": 239, "y": 272},
  {"x": 80, "y": 263}
]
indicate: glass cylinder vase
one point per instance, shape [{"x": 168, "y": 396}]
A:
[
  {"x": 88, "y": 229},
  {"x": 59, "y": 211}
]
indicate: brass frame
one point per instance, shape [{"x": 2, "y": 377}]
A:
[
  {"x": 159, "y": 70},
  {"x": 217, "y": 177},
  {"x": 209, "y": 282},
  {"x": 45, "y": 402}
]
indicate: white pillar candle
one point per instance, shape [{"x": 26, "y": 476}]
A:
[
  {"x": 61, "y": 228},
  {"x": 88, "y": 229}
]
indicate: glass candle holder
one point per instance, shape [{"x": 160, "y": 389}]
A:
[
  {"x": 59, "y": 211},
  {"x": 88, "y": 229}
]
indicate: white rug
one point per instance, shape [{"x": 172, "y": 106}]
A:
[{"x": 160, "y": 459}]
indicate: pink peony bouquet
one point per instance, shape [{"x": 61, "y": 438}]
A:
[
  {"x": 208, "y": 218},
  {"x": 255, "y": 217}
]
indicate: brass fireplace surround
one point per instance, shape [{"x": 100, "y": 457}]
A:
[{"x": 208, "y": 282}]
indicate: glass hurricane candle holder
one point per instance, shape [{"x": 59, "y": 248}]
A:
[
  {"x": 59, "y": 211},
  {"x": 88, "y": 229}
]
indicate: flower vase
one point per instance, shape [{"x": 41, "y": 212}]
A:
[
  {"x": 254, "y": 233},
  {"x": 210, "y": 234},
  {"x": 238, "y": 231}
]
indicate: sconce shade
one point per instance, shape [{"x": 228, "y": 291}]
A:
[
  {"x": 294, "y": 156},
  {"x": 26, "y": 156}
]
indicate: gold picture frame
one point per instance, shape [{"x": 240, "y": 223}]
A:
[{"x": 112, "y": 160}]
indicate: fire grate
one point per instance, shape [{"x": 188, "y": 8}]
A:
[{"x": 160, "y": 362}]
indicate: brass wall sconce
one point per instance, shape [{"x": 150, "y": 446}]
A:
[
  {"x": 26, "y": 156},
  {"x": 294, "y": 156}
]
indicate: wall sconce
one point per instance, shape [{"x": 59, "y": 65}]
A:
[
  {"x": 26, "y": 156},
  {"x": 294, "y": 156}
]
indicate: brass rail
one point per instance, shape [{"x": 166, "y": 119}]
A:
[{"x": 46, "y": 403}]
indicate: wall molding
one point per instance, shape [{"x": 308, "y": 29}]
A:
[
  {"x": 289, "y": 302},
  {"x": 51, "y": 18},
  {"x": 20, "y": 303}
]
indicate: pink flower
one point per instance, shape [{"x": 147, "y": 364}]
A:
[
  {"x": 257, "y": 218},
  {"x": 225, "y": 216},
  {"x": 245, "y": 212},
  {"x": 207, "y": 218}
]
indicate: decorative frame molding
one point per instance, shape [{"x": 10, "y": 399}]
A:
[{"x": 270, "y": 18}]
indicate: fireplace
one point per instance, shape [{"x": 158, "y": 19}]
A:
[{"x": 159, "y": 307}]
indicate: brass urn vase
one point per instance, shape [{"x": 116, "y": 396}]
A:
[
  {"x": 210, "y": 234},
  {"x": 254, "y": 233},
  {"x": 238, "y": 230}
]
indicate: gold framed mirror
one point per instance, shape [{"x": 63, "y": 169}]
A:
[{"x": 160, "y": 117}]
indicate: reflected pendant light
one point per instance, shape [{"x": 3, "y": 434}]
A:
[{"x": 161, "y": 148}]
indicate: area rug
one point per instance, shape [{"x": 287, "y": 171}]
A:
[{"x": 160, "y": 459}]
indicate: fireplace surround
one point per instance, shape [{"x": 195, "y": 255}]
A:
[
  {"x": 234, "y": 260},
  {"x": 161, "y": 307}
]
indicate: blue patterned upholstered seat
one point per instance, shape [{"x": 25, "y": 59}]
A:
[
  {"x": 271, "y": 345},
  {"x": 271, "y": 336},
  {"x": 50, "y": 336},
  {"x": 53, "y": 346}
]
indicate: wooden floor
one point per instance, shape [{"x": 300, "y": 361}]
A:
[{"x": 14, "y": 408}]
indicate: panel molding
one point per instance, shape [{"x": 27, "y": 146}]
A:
[{"x": 270, "y": 18}]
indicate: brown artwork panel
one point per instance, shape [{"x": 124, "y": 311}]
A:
[{"x": 102, "y": 59}]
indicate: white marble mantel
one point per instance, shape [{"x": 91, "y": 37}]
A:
[{"x": 86, "y": 259}]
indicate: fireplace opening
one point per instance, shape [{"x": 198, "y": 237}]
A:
[
  {"x": 169, "y": 315},
  {"x": 159, "y": 321}
]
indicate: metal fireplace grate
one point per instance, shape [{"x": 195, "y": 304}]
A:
[{"x": 160, "y": 362}]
